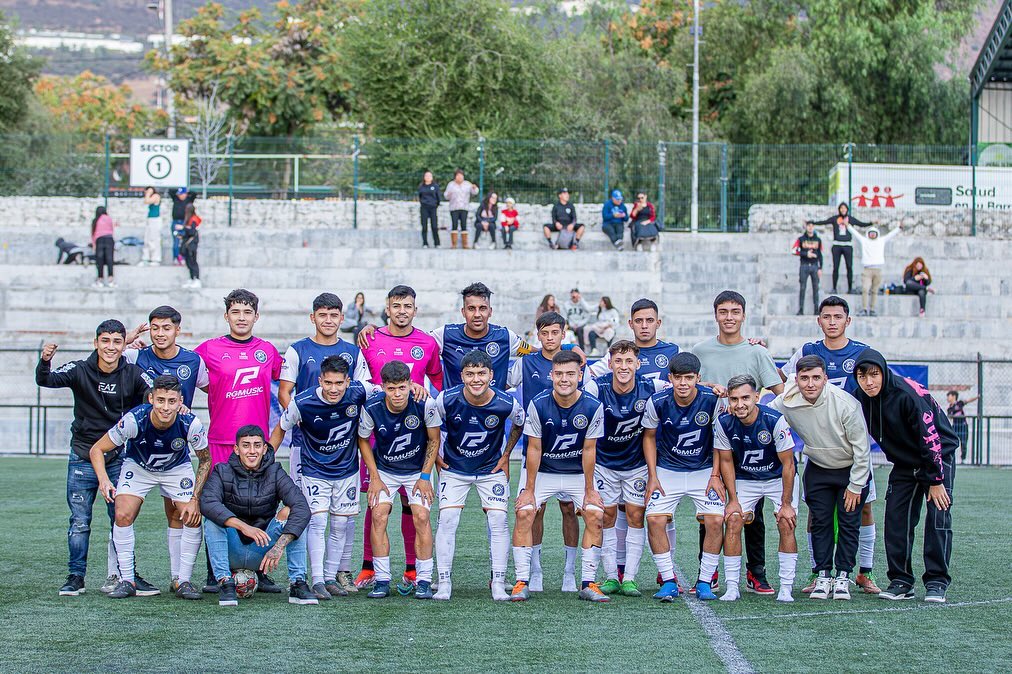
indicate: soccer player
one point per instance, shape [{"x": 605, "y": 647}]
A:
[
  {"x": 328, "y": 417},
  {"x": 829, "y": 421},
  {"x": 756, "y": 460},
  {"x": 531, "y": 375},
  {"x": 165, "y": 357},
  {"x": 105, "y": 387},
  {"x": 240, "y": 369},
  {"x": 562, "y": 427},
  {"x": 620, "y": 474},
  {"x": 403, "y": 428},
  {"x": 724, "y": 356},
  {"x": 476, "y": 416},
  {"x": 917, "y": 438},
  {"x": 158, "y": 439},
  {"x": 681, "y": 462},
  {"x": 839, "y": 353}
]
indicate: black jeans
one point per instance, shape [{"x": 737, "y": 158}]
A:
[
  {"x": 479, "y": 229},
  {"x": 104, "y": 253},
  {"x": 458, "y": 221},
  {"x": 847, "y": 252},
  {"x": 809, "y": 270},
  {"x": 428, "y": 216},
  {"x": 189, "y": 251},
  {"x": 902, "y": 514},
  {"x": 755, "y": 540},
  {"x": 507, "y": 236},
  {"x": 915, "y": 288},
  {"x": 824, "y": 492}
]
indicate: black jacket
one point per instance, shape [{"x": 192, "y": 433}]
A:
[
  {"x": 803, "y": 244},
  {"x": 253, "y": 496},
  {"x": 564, "y": 214},
  {"x": 429, "y": 195},
  {"x": 842, "y": 238},
  {"x": 179, "y": 203},
  {"x": 100, "y": 399},
  {"x": 907, "y": 422}
]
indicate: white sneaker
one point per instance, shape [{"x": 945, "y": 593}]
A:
[
  {"x": 110, "y": 584},
  {"x": 569, "y": 582},
  {"x": 443, "y": 594},
  {"x": 110, "y": 284},
  {"x": 730, "y": 594},
  {"x": 537, "y": 582},
  {"x": 499, "y": 592},
  {"x": 785, "y": 594},
  {"x": 823, "y": 588},
  {"x": 187, "y": 284},
  {"x": 98, "y": 285},
  {"x": 841, "y": 588},
  {"x": 195, "y": 284}
]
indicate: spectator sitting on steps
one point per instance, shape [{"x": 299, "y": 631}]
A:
[
  {"x": 916, "y": 279},
  {"x": 485, "y": 219},
  {"x": 643, "y": 230},
  {"x": 510, "y": 223},
  {"x": 614, "y": 215},
  {"x": 603, "y": 328},
  {"x": 577, "y": 313},
  {"x": 564, "y": 222}
]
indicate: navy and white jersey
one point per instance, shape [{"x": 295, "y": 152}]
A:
[
  {"x": 532, "y": 374},
  {"x": 475, "y": 436},
  {"x": 400, "y": 438},
  {"x": 621, "y": 446},
  {"x": 755, "y": 448},
  {"x": 186, "y": 366},
  {"x": 653, "y": 361},
  {"x": 499, "y": 343},
  {"x": 684, "y": 434},
  {"x": 563, "y": 430},
  {"x": 839, "y": 362},
  {"x": 156, "y": 449},
  {"x": 329, "y": 431}
]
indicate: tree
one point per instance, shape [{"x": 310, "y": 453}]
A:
[
  {"x": 18, "y": 71},
  {"x": 210, "y": 133}
]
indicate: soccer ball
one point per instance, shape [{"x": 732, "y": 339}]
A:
[{"x": 245, "y": 583}]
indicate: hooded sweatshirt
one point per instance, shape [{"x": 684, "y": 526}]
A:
[
  {"x": 907, "y": 422},
  {"x": 832, "y": 427},
  {"x": 873, "y": 250}
]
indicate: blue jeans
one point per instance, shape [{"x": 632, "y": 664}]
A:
[
  {"x": 228, "y": 552},
  {"x": 82, "y": 488},
  {"x": 176, "y": 234},
  {"x": 614, "y": 230}
]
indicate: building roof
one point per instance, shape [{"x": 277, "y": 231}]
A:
[{"x": 994, "y": 64}]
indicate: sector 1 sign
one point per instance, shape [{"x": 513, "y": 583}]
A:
[{"x": 159, "y": 162}]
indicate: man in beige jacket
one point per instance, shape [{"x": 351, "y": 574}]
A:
[{"x": 831, "y": 423}]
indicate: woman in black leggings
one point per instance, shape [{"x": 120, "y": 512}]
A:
[
  {"x": 917, "y": 278},
  {"x": 843, "y": 243},
  {"x": 102, "y": 228}
]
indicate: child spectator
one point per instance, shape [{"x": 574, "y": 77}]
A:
[
  {"x": 957, "y": 415},
  {"x": 510, "y": 223}
]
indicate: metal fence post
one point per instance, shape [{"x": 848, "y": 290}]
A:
[
  {"x": 231, "y": 168},
  {"x": 662, "y": 156},
  {"x": 481, "y": 167},
  {"x": 724, "y": 180},
  {"x": 105, "y": 188},
  {"x": 295, "y": 167},
  {"x": 850, "y": 174},
  {"x": 354, "y": 183},
  {"x": 607, "y": 168},
  {"x": 979, "y": 434}
]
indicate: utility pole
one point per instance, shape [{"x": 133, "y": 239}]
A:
[
  {"x": 170, "y": 104},
  {"x": 694, "y": 206}
]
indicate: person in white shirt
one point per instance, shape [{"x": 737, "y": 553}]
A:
[{"x": 872, "y": 259}]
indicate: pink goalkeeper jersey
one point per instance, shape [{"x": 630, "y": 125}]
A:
[
  {"x": 239, "y": 388},
  {"x": 418, "y": 350}
]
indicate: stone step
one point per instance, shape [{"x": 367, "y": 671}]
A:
[
  {"x": 964, "y": 307},
  {"x": 921, "y": 332}
]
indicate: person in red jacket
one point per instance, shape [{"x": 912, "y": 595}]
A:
[{"x": 510, "y": 223}]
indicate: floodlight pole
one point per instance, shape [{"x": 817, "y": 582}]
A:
[
  {"x": 694, "y": 206},
  {"x": 170, "y": 105}
]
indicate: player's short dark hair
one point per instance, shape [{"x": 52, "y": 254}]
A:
[
  {"x": 334, "y": 364},
  {"x": 476, "y": 358},
  {"x": 327, "y": 301},
  {"x": 954, "y": 394},
  {"x": 731, "y": 296},
  {"x": 477, "y": 290},
  {"x": 550, "y": 318},
  {"x": 739, "y": 380},
  {"x": 835, "y": 301},
  {"x": 810, "y": 363},
  {"x": 623, "y": 345},
  {"x": 864, "y": 367},
  {"x": 166, "y": 382},
  {"x": 110, "y": 327},
  {"x": 684, "y": 362},
  {"x": 242, "y": 296},
  {"x": 250, "y": 431},
  {"x": 395, "y": 372},
  {"x": 566, "y": 357},
  {"x": 641, "y": 304},
  {"x": 165, "y": 311},
  {"x": 401, "y": 291}
]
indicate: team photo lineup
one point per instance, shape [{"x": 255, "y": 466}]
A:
[{"x": 403, "y": 420}]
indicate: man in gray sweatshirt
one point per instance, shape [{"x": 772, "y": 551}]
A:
[{"x": 831, "y": 423}]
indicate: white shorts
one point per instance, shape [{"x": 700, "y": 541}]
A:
[
  {"x": 677, "y": 485},
  {"x": 522, "y": 482},
  {"x": 750, "y": 491},
  {"x": 872, "y": 496},
  {"x": 295, "y": 465},
  {"x": 621, "y": 486},
  {"x": 568, "y": 487},
  {"x": 395, "y": 482},
  {"x": 338, "y": 497},
  {"x": 175, "y": 483},
  {"x": 493, "y": 489}
]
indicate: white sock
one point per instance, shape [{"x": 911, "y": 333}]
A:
[
  {"x": 788, "y": 564},
  {"x": 664, "y": 565},
  {"x": 609, "y": 557},
  {"x": 591, "y": 557},
  {"x": 811, "y": 550},
  {"x": 189, "y": 546},
  {"x": 866, "y": 546},
  {"x": 174, "y": 537},
  {"x": 571, "y": 560},
  {"x": 111, "y": 564},
  {"x": 500, "y": 544},
  {"x": 732, "y": 572},
  {"x": 635, "y": 541},
  {"x": 621, "y": 527},
  {"x": 335, "y": 546},
  {"x": 535, "y": 560},
  {"x": 521, "y": 562},
  {"x": 349, "y": 545},
  {"x": 381, "y": 566},
  {"x": 707, "y": 565},
  {"x": 446, "y": 541},
  {"x": 123, "y": 539},
  {"x": 424, "y": 569},
  {"x": 672, "y": 533},
  {"x": 316, "y": 535}
]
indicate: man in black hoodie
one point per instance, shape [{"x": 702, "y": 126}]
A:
[
  {"x": 808, "y": 247},
  {"x": 917, "y": 438},
  {"x": 105, "y": 387}
]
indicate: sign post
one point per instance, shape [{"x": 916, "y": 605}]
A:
[{"x": 159, "y": 162}]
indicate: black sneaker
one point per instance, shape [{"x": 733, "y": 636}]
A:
[
  {"x": 73, "y": 587},
  {"x": 211, "y": 587},
  {"x": 300, "y": 594},
  {"x": 266, "y": 584},
  {"x": 226, "y": 592},
  {"x": 935, "y": 593},
  {"x": 898, "y": 591},
  {"x": 186, "y": 590},
  {"x": 124, "y": 589},
  {"x": 144, "y": 588}
]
